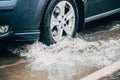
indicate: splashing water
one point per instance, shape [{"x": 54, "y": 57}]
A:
[{"x": 66, "y": 59}]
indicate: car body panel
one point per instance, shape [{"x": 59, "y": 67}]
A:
[{"x": 95, "y": 7}]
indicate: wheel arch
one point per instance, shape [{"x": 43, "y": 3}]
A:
[
  {"x": 40, "y": 11},
  {"x": 45, "y": 8},
  {"x": 81, "y": 11}
]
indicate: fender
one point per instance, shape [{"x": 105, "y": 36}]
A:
[{"x": 40, "y": 10}]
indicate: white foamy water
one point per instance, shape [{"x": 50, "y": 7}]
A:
[{"x": 67, "y": 58}]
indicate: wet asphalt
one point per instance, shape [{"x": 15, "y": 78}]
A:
[{"x": 16, "y": 67}]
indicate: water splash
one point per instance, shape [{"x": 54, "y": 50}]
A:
[{"x": 67, "y": 58}]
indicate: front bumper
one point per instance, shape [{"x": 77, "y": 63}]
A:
[{"x": 20, "y": 16}]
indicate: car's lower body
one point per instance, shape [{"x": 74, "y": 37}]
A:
[
  {"x": 22, "y": 20},
  {"x": 49, "y": 21}
]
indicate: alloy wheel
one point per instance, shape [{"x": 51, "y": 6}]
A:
[{"x": 62, "y": 22}]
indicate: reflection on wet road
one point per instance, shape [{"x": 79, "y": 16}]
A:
[{"x": 70, "y": 59}]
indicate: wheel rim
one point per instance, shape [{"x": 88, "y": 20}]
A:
[{"x": 62, "y": 21}]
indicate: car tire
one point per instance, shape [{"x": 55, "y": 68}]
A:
[{"x": 59, "y": 10}]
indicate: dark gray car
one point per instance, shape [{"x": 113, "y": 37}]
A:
[{"x": 50, "y": 20}]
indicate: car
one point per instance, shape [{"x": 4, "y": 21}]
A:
[{"x": 50, "y": 21}]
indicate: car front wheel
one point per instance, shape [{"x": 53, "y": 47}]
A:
[{"x": 60, "y": 21}]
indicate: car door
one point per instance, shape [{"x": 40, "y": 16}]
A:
[{"x": 95, "y": 7}]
